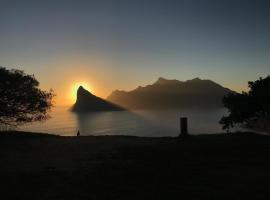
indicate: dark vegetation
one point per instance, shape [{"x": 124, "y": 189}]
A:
[
  {"x": 250, "y": 108},
  {"x": 21, "y": 101},
  {"x": 222, "y": 166}
]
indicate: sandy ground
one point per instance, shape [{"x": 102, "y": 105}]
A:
[{"x": 34, "y": 166}]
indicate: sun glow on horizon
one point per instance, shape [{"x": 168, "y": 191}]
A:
[{"x": 74, "y": 88}]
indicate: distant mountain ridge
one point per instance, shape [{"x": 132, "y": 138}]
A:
[
  {"x": 167, "y": 94},
  {"x": 87, "y": 102}
]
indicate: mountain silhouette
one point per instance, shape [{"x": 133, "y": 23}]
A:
[
  {"x": 167, "y": 94},
  {"x": 87, "y": 102}
]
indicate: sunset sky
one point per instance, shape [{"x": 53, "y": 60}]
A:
[{"x": 113, "y": 44}]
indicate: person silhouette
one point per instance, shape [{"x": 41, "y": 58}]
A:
[{"x": 78, "y": 133}]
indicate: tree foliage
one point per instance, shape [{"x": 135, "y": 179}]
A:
[
  {"x": 248, "y": 107},
  {"x": 21, "y": 100}
]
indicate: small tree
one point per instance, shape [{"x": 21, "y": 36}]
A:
[
  {"x": 249, "y": 107},
  {"x": 21, "y": 101}
]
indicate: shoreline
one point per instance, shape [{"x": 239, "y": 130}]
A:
[{"x": 29, "y": 134}]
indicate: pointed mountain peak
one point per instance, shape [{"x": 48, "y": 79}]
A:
[
  {"x": 196, "y": 79},
  {"x": 164, "y": 81},
  {"x": 88, "y": 102},
  {"x": 82, "y": 91},
  {"x": 161, "y": 80},
  {"x": 81, "y": 88}
]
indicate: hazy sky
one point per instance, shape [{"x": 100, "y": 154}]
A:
[{"x": 117, "y": 44}]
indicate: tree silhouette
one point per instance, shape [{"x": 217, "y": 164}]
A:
[
  {"x": 21, "y": 100},
  {"x": 249, "y": 107}
]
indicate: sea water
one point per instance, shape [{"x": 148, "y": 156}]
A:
[{"x": 148, "y": 123}]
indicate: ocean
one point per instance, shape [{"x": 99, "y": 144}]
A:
[{"x": 147, "y": 123}]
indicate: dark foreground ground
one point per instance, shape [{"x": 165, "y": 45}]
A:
[{"x": 118, "y": 167}]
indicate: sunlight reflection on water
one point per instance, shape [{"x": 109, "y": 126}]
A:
[{"x": 138, "y": 123}]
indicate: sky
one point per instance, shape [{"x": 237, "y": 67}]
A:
[{"x": 121, "y": 44}]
